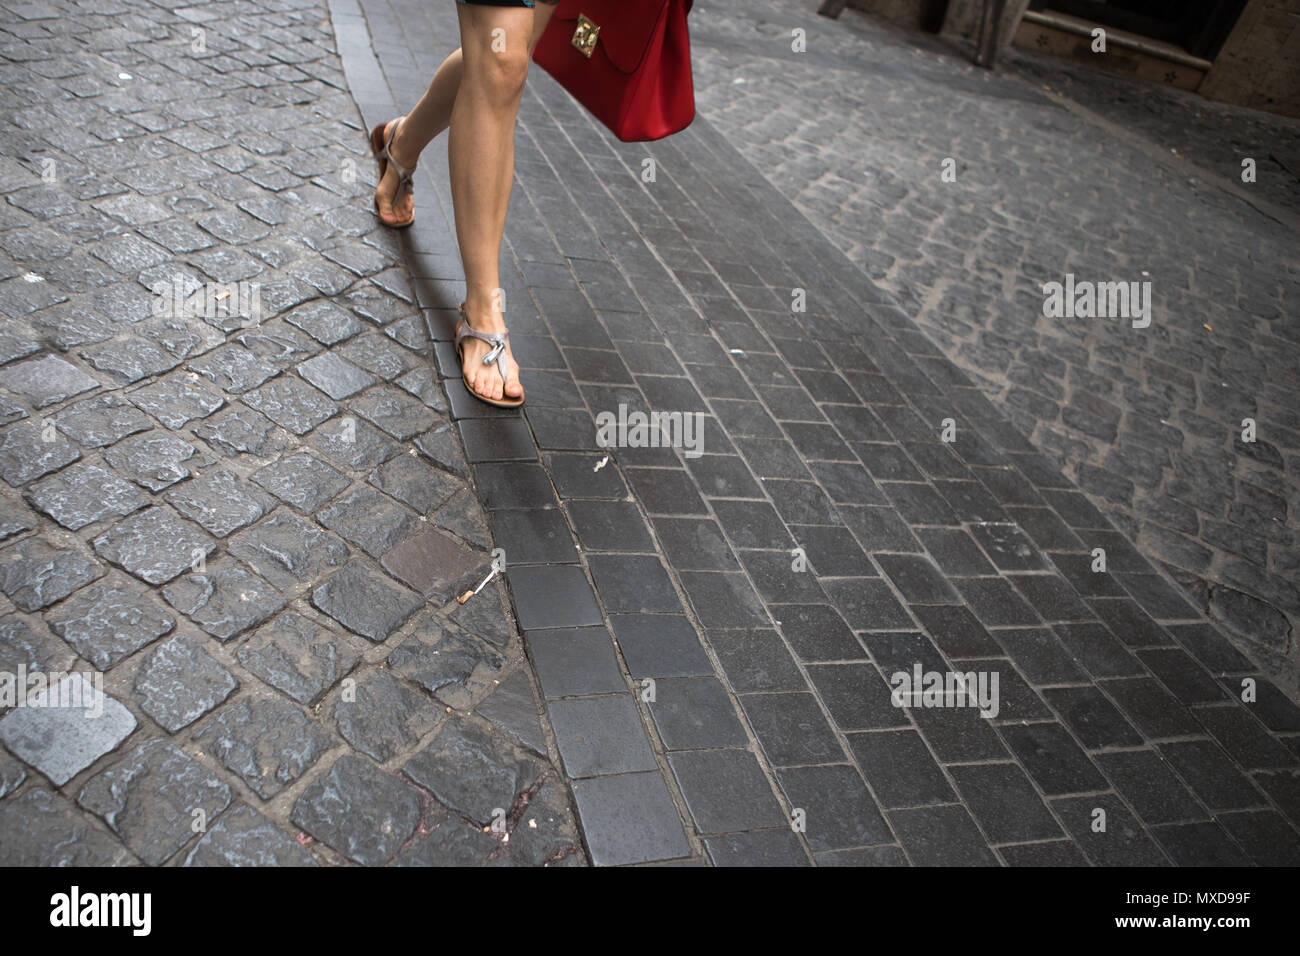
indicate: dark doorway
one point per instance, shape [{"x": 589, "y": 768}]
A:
[{"x": 1198, "y": 26}]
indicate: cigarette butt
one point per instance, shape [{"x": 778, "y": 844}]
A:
[{"x": 464, "y": 597}]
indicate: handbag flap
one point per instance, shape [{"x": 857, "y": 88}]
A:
[{"x": 626, "y": 26}]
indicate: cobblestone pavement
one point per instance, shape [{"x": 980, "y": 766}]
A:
[
  {"x": 710, "y": 638},
  {"x": 253, "y": 529},
  {"x": 1147, "y": 422}
]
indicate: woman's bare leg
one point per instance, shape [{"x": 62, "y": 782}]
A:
[
  {"x": 495, "y": 44},
  {"x": 431, "y": 116}
]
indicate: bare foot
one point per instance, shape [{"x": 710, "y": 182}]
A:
[
  {"x": 485, "y": 380},
  {"x": 402, "y": 212}
]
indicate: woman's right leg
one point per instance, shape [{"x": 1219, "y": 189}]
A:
[{"x": 481, "y": 149}]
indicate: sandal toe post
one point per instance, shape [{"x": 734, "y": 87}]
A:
[{"x": 496, "y": 353}]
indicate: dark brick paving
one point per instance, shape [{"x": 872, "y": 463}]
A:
[
  {"x": 1063, "y": 169},
  {"x": 312, "y": 695}
]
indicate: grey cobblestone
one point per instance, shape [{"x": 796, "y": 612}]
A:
[{"x": 1131, "y": 415}]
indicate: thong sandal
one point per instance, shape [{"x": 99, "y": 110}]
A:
[
  {"x": 495, "y": 354},
  {"x": 382, "y": 148}
]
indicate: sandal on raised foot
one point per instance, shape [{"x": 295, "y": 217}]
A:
[
  {"x": 497, "y": 352},
  {"x": 381, "y": 147}
]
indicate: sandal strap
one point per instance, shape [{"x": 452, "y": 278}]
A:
[
  {"x": 497, "y": 340},
  {"x": 405, "y": 182}
]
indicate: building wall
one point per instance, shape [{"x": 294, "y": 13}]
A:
[
  {"x": 1259, "y": 66},
  {"x": 963, "y": 19},
  {"x": 904, "y": 13}
]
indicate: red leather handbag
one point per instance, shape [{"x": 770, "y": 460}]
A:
[{"x": 627, "y": 61}]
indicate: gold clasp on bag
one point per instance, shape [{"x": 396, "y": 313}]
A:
[{"x": 584, "y": 36}]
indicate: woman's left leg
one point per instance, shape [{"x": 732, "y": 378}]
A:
[{"x": 429, "y": 117}]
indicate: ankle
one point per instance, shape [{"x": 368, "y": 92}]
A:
[
  {"x": 485, "y": 318},
  {"x": 402, "y": 150}
]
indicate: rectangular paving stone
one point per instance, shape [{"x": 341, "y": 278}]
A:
[
  {"x": 1124, "y": 842},
  {"x": 941, "y": 836},
  {"x": 899, "y": 769},
  {"x": 866, "y": 603},
  {"x": 503, "y": 439},
  {"x": 695, "y": 713},
  {"x": 726, "y": 791},
  {"x": 660, "y": 645},
  {"x": 629, "y": 584},
  {"x": 723, "y": 599},
  {"x": 1004, "y": 802},
  {"x": 1244, "y": 738},
  {"x": 552, "y": 596},
  {"x": 1149, "y": 785},
  {"x": 1094, "y": 719},
  {"x": 995, "y": 602},
  {"x": 533, "y": 536},
  {"x": 756, "y": 848},
  {"x": 65, "y": 728},
  {"x": 511, "y": 485},
  {"x": 817, "y": 632},
  {"x": 791, "y": 729},
  {"x": 838, "y": 811},
  {"x": 1151, "y": 708},
  {"x": 629, "y": 818},
  {"x": 1211, "y": 775},
  {"x": 609, "y": 525},
  {"x": 600, "y": 735},
  {"x": 575, "y": 661},
  {"x": 577, "y": 476},
  {"x": 1057, "y": 764},
  {"x": 1264, "y": 835}
]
